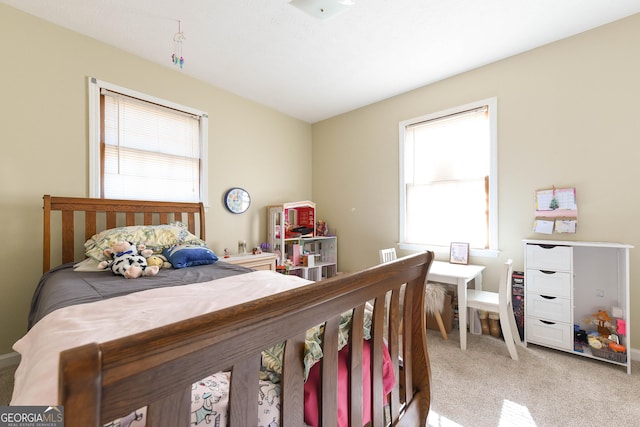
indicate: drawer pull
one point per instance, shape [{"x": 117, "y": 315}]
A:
[
  {"x": 547, "y": 272},
  {"x": 546, "y": 322},
  {"x": 547, "y": 246},
  {"x": 547, "y": 297}
]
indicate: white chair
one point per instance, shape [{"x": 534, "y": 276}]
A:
[
  {"x": 387, "y": 255},
  {"x": 499, "y": 302},
  {"x": 435, "y": 294}
]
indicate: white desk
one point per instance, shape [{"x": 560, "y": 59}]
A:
[{"x": 461, "y": 275}]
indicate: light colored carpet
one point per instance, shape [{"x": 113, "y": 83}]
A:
[
  {"x": 483, "y": 387},
  {"x": 6, "y": 384}
]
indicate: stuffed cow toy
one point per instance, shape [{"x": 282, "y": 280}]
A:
[{"x": 126, "y": 261}]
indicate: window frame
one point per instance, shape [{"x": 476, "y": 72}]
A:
[
  {"x": 492, "y": 251},
  {"x": 94, "y": 87}
]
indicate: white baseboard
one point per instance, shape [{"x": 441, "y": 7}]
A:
[
  {"x": 9, "y": 359},
  {"x": 634, "y": 354}
]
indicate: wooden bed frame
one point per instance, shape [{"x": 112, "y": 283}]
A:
[{"x": 100, "y": 382}]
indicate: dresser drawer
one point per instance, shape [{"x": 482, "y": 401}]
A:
[
  {"x": 558, "y": 335},
  {"x": 550, "y": 283},
  {"x": 263, "y": 261},
  {"x": 549, "y": 257},
  {"x": 549, "y": 308}
]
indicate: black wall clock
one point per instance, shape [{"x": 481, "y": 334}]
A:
[{"x": 237, "y": 200}]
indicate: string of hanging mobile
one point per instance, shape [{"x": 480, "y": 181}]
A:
[{"x": 178, "y": 38}]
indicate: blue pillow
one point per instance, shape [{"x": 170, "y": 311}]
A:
[{"x": 181, "y": 256}]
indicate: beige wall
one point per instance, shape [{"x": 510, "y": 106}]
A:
[
  {"x": 567, "y": 117},
  {"x": 43, "y": 86}
]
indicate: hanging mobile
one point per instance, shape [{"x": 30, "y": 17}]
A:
[{"x": 178, "y": 38}]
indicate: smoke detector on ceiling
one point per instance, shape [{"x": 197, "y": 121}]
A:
[{"x": 322, "y": 9}]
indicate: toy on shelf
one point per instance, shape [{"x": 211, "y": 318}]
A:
[
  {"x": 603, "y": 321},
  {"x": 605, "y": 342},
  {"x": 321, "y": 228},
  {"x": 618, "y": 348}
]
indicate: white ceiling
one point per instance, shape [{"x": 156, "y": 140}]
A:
[{"x": 273, "y": 53}]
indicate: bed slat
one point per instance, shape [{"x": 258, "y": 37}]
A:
[
  {"x": 244, "y": 377},
  {"x": 394, "y": 351},
  {"x": 407, "y": 342},
  {"x": 292, "y": 390},
  {"x": 46, "y": 234},
  {"x": 377, "y": 392},
  {"x": 67, "y": 236},
  {"x": 192, "y": 223},
  {"x": 329, "y": 373},
  {"x": 172, "y": 411},
  {"x": 85, "y": 390},
  {"x": 112, "y": 220},
  {"x": 356, "y": 334},
  {"x": 130, "y": 218}
]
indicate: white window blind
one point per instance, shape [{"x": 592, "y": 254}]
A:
[
  {"x": 150, "y": 152},
  {"x": 447, "y": 173}
]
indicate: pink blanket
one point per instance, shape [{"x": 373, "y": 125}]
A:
[{"x": 312, "y": 386}]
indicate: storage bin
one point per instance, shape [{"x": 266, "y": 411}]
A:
[{"x": 605, "y": 353}]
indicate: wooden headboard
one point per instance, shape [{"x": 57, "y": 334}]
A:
[{"x": 102, "y": 214}]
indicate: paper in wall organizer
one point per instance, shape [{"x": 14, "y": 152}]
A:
[
  {"x": 565, "y": 225},
  {"x": 556, "y": 211},
  {"x": 544, "y": 226}
]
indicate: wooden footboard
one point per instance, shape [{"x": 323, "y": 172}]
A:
[{"x": 102, "y": 382}]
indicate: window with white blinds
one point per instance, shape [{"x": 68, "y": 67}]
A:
[
  {"x": 449, "y": 178},
  {"x": 149, "y": 149}
]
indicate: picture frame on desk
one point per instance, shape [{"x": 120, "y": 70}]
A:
[{"x": 459, "y": 253}]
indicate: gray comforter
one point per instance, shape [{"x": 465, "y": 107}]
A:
[{"x": 61, "y": 286}]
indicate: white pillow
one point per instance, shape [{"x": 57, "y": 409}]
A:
[{"x": 89, "y": 264}]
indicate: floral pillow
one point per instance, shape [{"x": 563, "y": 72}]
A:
[{"x": 154, "y": 237}]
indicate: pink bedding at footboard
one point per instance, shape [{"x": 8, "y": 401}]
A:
[
  {"x": 312, "y": 387},
  {"x": 210, "y": 397}
]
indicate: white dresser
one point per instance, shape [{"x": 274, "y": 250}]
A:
[
  {"x": 567, "y": 282},
  {"x": 263, "y": 261}
]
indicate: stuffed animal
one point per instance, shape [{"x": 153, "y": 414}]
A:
[
  {"x": 159, "y": 260},
  {"x": 126, "y": 261}
]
